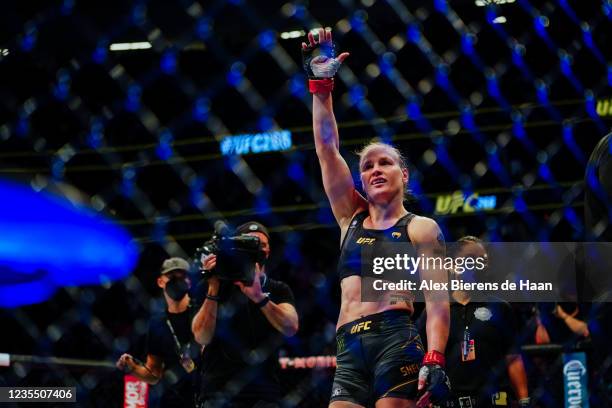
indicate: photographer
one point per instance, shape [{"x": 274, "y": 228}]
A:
[
  {"x": 172, "y": 354},
  {"x": 242, "y": 328}
]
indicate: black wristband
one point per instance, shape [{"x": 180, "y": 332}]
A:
[
  {"x": 263, "y": 302},
  {"x": 211, "y": 297}
]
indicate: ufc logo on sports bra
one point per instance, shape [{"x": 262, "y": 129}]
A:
[
  {"x": 364, "y": 241},
  {"x": 361, "y": 326}
]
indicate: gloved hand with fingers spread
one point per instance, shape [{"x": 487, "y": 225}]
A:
[
  {"x": 433, "y": 384},
  {"x": 322, "y": 66}
]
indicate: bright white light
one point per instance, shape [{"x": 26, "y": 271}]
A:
[
  {"x": 316, "y": 30},
  {"x": 292, "y": 34},
  {"x": 483, "y": 3},
  {"x": 499, "y": 20},
  {"x": 4, "y": 52},
  {"x": 130, "y": 46}
]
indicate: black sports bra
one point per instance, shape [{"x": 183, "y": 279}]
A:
[{"x": 358, "y": 239}]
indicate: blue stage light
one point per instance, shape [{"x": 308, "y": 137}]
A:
[
  {"x": 139, "y": 14},
  {"x": 203, "y": 28},
  {"x": 132, "y": 103},
  {"x": 99, "y": 55},
  {"x": 267, "y": 40},
  {"x": 262, "y": 204},
  {"x": 196, "y": 190},
  {"x": 568, "y": 138},
  {"x": 265, "y": 123},
  {"x": 57, "y": 168},
  {"x": 357, "y": 21},
  {"x": 47, "y": 242},
  {"x": 413, "y": 33},
  {"x": 62, "y": 87},
  {"x": 571, "y": 217},
  {"x": 127, "y": 182},
  {"x": 96, "y": 135},
  {"x": 441, "y": 6},
  {"x": 413, "y": 111},
  {"x": 201, "y": 109},
  {"x": 467, "y": 44},
  {"x": 22, "y": 127},
  {"x": 546, "y": 174},
  {"x": 606, "y": 8},
  {"x": 296, "y": 172},
  {"x": 28, "y": 41},
  {"x": 356, "y": 93},
  {"x": 234, "y": 76},
  {"x": 168, "y": 63},
  {"x": 542, "y": 92},
  {"x": 164, "y": 148}
]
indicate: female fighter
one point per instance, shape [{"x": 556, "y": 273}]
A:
[{"x": 379, "y": 350}]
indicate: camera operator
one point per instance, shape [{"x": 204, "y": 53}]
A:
[
  {"x": 171, "y": 352},
  {"x": 242, "y": 328}
]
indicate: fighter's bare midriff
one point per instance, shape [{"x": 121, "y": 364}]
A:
[{"x": 352, "y": 308}]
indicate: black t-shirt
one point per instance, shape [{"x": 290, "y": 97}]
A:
[
  {"x": 242, "y": 358},
  {"x": 492, "y": 325},
  {"x": 177, "y": 387}
]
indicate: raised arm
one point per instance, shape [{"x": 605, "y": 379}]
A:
[
  {"x": 204, "y": 322},
  {"x": 337, "y": 180},
  {"x": 282, "y": 316}
]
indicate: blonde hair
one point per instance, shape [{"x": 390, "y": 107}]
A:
[
  {"x": 398, "y": 156},
  {"x": 376, "y": 144}
]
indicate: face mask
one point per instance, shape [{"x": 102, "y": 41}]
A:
[
  {"x": 177, "y": 288},
  {"x": 262, "y": 262}
]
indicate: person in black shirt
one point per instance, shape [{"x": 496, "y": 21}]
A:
[
  {"x": 242, "y": 328},
  {"x": 171, "y": 352},
  {"x": 481, "y": 360}
]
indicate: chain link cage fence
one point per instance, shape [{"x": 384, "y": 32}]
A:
[{"x": 497, "y": 106}]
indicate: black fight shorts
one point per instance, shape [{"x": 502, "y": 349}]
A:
[{"x": 378, "y": 356}]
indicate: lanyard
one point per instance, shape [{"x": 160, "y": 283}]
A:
[
  {"x": 465, "y": 349},
  {"x": 184, "y": 357},
  {"x": 177, "y": 343}
]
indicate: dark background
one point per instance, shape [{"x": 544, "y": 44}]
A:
[{"x": 500, "y": 109}]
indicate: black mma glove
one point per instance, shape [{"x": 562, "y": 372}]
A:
[
  {"x": 433, "y": 381},
  {"x": 320, "y": 62}
]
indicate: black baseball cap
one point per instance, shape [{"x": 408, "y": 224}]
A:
[{"x": 253, "y": 226}]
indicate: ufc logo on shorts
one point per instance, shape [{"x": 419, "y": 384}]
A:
[{"x": 361, "y": 326}]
